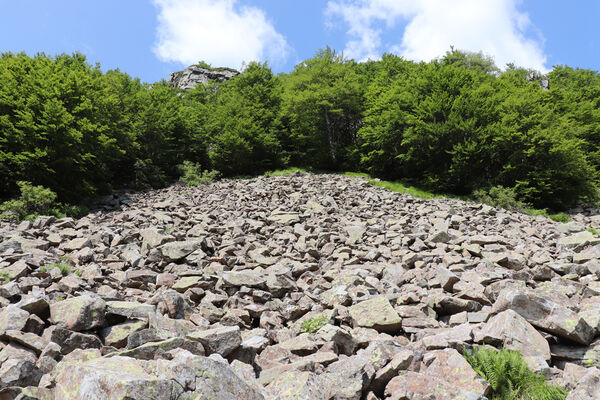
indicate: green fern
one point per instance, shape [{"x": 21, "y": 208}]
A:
[{"x": 509, "y": 376}]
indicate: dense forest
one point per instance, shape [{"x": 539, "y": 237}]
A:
[{"x": 455, "y": 125}]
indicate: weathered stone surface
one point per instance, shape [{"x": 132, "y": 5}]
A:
[
  {"x": 588, "y": 388},
  {"x": 546, "y": 314},
  {"x": 449, "y": 376},
  {"x": 175, "y": 251},
  {"x": 12, "y": 318},
  {"x": 376, "y": 313},
  {"x": 117, "y": 335},
  {"x": 194, "y": 75},
  {"x": 218, "y": 340},
  {"x": 347, "y": 288},
  {"x": 129, "y": 309},
  {"x": 78, "y": 313},
  {"x": 511, "y": 331}
]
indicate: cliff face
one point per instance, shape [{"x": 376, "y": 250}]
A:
[{"x": 193, "y": 75}]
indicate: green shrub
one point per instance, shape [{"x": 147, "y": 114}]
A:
[
  {"x": 193, "y": 175},
  {"x": 314, "y": 324},
  {"x": 510, "y": 377},
  {"x": 33, "y": 200},
  {"x": 593, "y": 231},
  {"x": 499, "y": 196}
]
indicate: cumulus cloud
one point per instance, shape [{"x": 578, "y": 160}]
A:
[
  {"x": 495, "y": 27},
  {"x": 216, "y": 31}
]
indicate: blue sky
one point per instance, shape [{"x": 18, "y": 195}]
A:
[{"x": 151, "y": 38}]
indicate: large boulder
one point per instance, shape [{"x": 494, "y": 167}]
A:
[
  {"x": 185, "y": 376},
  {"x": 588, "y": 388},
  {"x": 449, "y": 376},
  {"x": 78, "y": 313},
  {"x": 511, "y": 331},
  {"x": 545, "y": 314}
]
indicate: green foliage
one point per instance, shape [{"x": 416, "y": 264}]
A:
[
  {"x": 467, "y": 59},
  {"x": 560, "y": 217},
  {"x": 242, "y": 123},
  {"x": 193, "y": 175},
  {"x": 64, "y": 268},
  {"x": 33, "y": 200},
  {"x": 284, "y": 172},
  {"x": 455, "y": 125},
  {"x": 4, "y": 277},
  {"x": 313, "y": 324},
  {"x": 510, "y": 377},
  {"x": 322, "y": 103},
  {"x": 203, "y": 64},
  {"x": 499, "y": 196},
  {"x": 593, "y": 231}
]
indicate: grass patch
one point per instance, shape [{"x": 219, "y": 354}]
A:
[
  {"x": 314, "y": 324},
  {"x": 404, "y": 188},
  {"x": 560, "y": 217},
  {"x": 593, "y": 231},
  {"x": 65, "y": 269},
  {"x": 4, "y": 277},
  {"x": 283, "y": 172},
  {"x": 510, "y": 377}
]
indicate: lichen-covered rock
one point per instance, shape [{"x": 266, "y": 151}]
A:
[
  {"x": 376, "y": 313},
  {"x": 186, "y": 376},
  {"x": 78, "y": 313},
  {"x": 546, "y": 314},
  {"x": 218, "y": 340},
  {"x": 296, "y": 385},
  {"x": 588, "y": 388},
  {"x": 449, "y": 376},
  {"x": 175, "y": 251},
  {"x": 511, "y": 331}
]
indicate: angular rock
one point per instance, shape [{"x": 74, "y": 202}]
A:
[
  {"x": 218, "y": 340},
  {"x": 546, "y": 315},
  {"x": 78, "y": 313},
  {"x": 511, "y": 331},
  {"x": 376, "y": 313}
]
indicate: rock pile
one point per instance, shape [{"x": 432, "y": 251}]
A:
[{"x": 298, "y": 287}]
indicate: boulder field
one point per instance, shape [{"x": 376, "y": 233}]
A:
[{"x": 297, "y": 287}]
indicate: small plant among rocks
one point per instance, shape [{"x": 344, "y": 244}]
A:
[
  {"x": 4, "y": 277},
  {"x": 510, "y": 377},
  {"x": 193, "y": 175},
  {"x": 64, "y": 268},
  {"x": 314, "y": 324}
]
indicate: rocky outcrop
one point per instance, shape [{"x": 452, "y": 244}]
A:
[
  {"x": 193, "y": 75},
  {"x": 542, "y": 80},
  {"x": 297, "y": 287}
]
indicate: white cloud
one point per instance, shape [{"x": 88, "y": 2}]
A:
[
  {"x": 495, "y": 27},
  {"x": 216, "y": 31}
]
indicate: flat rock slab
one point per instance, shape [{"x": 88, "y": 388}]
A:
[
  {"x": 376, "y": 313},
  {"x": 218, "y": 340},
  {"x": 78, "y": 313}
]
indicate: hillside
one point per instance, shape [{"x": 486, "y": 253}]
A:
[{"x": 294, "y": 287}]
